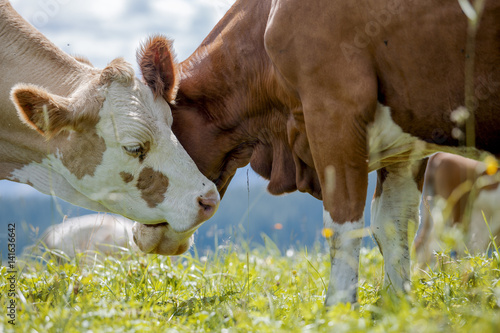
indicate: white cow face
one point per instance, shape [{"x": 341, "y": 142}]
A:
[{"x": 112, "y": 149}]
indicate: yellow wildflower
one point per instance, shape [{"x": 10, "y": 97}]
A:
[
  {"x": 491, "y": 165},
  {"x": 327, "y": 232}
]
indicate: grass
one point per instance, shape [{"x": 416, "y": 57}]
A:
[{"x": 246, "y": 291}]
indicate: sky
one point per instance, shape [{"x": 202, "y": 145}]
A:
[
  {"x": 105, "y": 29},
  {"x": 102, "y": 30}
]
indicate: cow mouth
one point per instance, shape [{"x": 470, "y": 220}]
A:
[
  {"x": 161, "y": 239},
  {"x": 161, "y": 224},
  {"x": 149, "y": 226}
]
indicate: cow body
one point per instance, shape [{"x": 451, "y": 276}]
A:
[
  {"x": 314, "y": 98},
  {"x": 97, "y": 138},
  {"x": 94, "y": 233},
  {"x": 457, "y": 192}
]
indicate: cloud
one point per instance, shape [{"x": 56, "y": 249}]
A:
[{"x": 104, "y": 30}]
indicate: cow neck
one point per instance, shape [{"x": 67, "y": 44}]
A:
[
  {"x": 32, "y": 58},
  {"x": 231, "y": 82},
  {"x": 242, "y": 87},
  {"x": 28, "y": 57}
]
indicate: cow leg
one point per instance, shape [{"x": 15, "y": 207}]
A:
[
  {"x": 337, "y": 139},
  {"x": 340, "y": 162},
  {"x": 343, "y": 172},
  {"x": 345, "y": 243},
  {"x": 336, "y": 110},
  {"x": 395, "y": 207}
]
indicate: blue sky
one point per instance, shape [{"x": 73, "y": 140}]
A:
[{"x": 102, "y": 30}]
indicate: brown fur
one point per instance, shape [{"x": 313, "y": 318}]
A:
[
  {"x": 243, "y": 109},
  {"x": 159, "y": 67},
  {"x": 85, "y": 153},
  {"x": 51, "y": 114},
  {"x": 153, "y": 186},
  {"x": 273, "y": 85},
  {"x": 41, "y": 111},
  {"x": 127, "y": 177},
  {"x": 445, "y": 173},
  {"x": 83, "y": 60},
  {"x": 117, "y": 70}
]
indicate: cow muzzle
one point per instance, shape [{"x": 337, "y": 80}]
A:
[
  {"x": 207, "y": 205},
  {"x": 161, "y": 239}
]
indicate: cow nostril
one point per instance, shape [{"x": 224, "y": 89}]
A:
[{"x": 208, "y": 204}]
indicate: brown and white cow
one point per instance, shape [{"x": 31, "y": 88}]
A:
[
  {"x": 96, "y": 138},
  {"x": 457, "y": 192},
  {"x": 93, "y": 233},
  {"x": 315, "y": 95}
]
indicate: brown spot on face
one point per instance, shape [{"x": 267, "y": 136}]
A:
[
  {"x": 83, "y": 152},
  {"x": 153, "y": 185},
  {"x": 127, "y": 177}
]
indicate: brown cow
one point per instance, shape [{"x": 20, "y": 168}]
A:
[
  {"x": 456, "y": 194},
  {"x": 314, "y": 95},
  {"x": 97, "y": 138}
]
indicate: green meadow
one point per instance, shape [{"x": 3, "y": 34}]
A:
[{"x": 244, "y": 290}]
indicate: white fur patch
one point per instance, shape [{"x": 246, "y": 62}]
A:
[
  {"x": 345, "y": 244},
  {"x": 394, "y": 216},
  {"x": 388, "y": 144},
  {"x": 387, "y": 141},
  {"x": 45, "y": 179}
]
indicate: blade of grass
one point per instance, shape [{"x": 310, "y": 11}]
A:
[{"x": 491, "y": 236}]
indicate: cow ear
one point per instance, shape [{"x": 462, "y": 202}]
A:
[
  {"x": 159, "y": 67},
  {"x": 42, "y": 111}
]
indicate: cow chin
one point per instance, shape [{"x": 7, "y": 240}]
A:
[{"x": 161, "y": 239}]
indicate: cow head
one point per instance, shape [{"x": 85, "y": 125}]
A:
[
  {"x": 221, "y": 126},
  {"x": 111, "y": 148}
]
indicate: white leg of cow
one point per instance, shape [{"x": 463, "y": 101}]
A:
[
  {"x": 345, "y": 243},
  {"x": 395, "y": 206}
]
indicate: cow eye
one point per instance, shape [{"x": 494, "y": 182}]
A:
[
  {"x": 134, "y": 150},
  {"x": 138, "y": 150}
]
